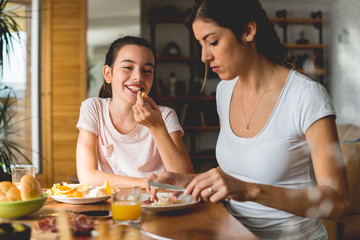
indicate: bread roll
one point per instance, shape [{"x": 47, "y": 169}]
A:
[
  {"x": 9, "y": 192},
  {"x": 30, "y": 188}
]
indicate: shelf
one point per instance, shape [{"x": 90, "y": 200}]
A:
[
  {"x": 273, "y": 20},
  {"x": 201, "y": 128},
  {"x": 304, "y": 46},
  {"x": 192, "y": 109},
  {"x": 167, "y": 20},
  {"x": 202, "y": 157},
  {"x": 297, "y": 20},
  {"x": 186, "y": 98},
  {"x": 185, "y": 59},
  {"x": 319, "y": 71}
]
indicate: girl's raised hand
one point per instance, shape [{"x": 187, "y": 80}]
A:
[{"x": 146, "y": 112}]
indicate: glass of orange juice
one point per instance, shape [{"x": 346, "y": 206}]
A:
[{"x": 126, "y": 204}]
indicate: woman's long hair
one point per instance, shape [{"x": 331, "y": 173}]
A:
[
  {"x": 235, "y": 14},
  {"x": 111, "y": 55}
]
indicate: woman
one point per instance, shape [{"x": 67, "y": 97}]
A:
[
  {"x": 124, "y": 136},
  {"x": 280, "y": 166}
]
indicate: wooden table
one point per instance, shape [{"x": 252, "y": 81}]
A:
[{"x": 201, "y": 221}]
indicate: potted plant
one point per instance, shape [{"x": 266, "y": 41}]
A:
[
  {"x": 9, "y": 150},
  {"x": 9, "y": 30}
]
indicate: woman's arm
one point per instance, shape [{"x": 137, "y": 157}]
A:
[
  {"x": 170, "y": 146},
  {"x": 328, "y": 200},
  {"x": 87, "y": 164}
]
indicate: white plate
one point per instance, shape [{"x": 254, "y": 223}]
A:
[
  {"x": 80, "y": 200},
  {"x": 188, "y": 201}
]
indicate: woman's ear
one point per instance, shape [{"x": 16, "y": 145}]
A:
[
  {"x": 249, "y": 31},
  {"x": 107, "y": 74}
]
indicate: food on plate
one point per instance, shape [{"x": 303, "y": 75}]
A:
[
  {"x": 30, "y": 188},
  {"x": 79, "y": 190},
  {"x": 164, "y": 200},
  {"x": 9, "y": 192},
  {"x": 148, "y": 201},
  {"x": 65, "y": 190},
  {"x": 79, "y": 223},
  {"x": 98, "y": 192},
  {"x": 107, "y": 187}
]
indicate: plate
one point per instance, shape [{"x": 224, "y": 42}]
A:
[
  {"x": 17, "y": 209},
  {"x": 188, "y": 201},
  {"x": 80, "y": 200}
]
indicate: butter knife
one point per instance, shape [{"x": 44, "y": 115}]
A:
[{"x": 166, "y": 186}]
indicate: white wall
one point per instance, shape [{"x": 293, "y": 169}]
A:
[{"x": 345, "y": 60}]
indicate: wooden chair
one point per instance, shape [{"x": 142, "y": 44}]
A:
[{"x": 349, "y": 228}]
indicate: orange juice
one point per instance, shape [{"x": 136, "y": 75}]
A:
[{"x": 126, "y": 210}]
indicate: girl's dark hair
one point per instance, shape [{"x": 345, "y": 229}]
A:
[
  {"x": 111, "y": 55},
  {"x": 234, "y": 14}
]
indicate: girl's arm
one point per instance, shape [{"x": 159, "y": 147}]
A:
[
  {"x": 87, "y": 164},
  {"x": 170, "y": 146},
  {"x": 172, "y": 150},
  {"x": 328, "y": 200}
]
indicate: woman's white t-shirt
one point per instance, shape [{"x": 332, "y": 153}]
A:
[
  {"x": 278, "y": 155},
  {"x": 134, "y": 154}
]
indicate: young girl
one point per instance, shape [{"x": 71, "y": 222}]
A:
[{"x": 124, "y": 136}]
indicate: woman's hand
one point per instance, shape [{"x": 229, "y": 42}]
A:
[
  {"x": 146, "y": 112},
  {"x": 215, "y": 185}
]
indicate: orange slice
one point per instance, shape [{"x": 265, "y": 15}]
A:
[
  {"x": 60, "y": 190},
  {"x": 77, "y": 194},
  {"x": 107, "y": 187}
]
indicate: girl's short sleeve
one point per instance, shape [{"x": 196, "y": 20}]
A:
[{"x": 89, "y": 116}]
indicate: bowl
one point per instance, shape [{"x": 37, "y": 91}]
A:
[
  {"x": 14, "y": 231},
  {"x": 17, "y": 209}
]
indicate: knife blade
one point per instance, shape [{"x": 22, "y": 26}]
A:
[{"x": 166, "y": 186}]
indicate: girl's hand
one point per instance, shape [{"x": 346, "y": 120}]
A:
[
  {"x": 215, "y": 185},
  {"x": 151, "y": 178},
  {"x": 176, "y": 179},
  {"x": 146, "y": 112}
]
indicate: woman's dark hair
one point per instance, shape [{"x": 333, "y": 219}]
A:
[
  {"x": 234, "y": 14},
  {"x": 111, "y": 55}
]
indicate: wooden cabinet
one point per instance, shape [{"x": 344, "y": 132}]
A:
[
  {"x": 196, "y": 112},
  {"x": 305, "y": 55}
]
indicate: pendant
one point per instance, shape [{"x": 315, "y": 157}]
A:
[{"x": 247, "y": 126}]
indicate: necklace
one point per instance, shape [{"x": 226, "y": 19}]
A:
[{"x": 257, "y": 104}]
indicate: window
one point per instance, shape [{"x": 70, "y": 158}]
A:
[{"x": 20, "y": 73}]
